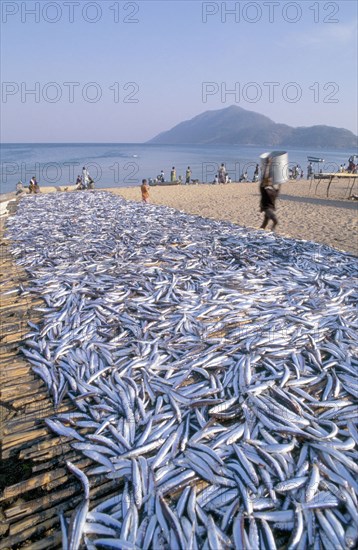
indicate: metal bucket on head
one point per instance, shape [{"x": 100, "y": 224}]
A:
[{"x": 279, "y": 166}]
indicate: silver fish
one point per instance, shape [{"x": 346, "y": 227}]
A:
[{"x": 212, "y": 368}]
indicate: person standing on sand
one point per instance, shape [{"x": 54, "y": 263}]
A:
[
  {"x": 145, "y": 191},
  {"x": 222, "y": 173},
  {"x": 187, "y": 175},
  {"x": 268, "y": 198},
  {"x": 85, "y": 177},
  {"x": 173, "y": 175},
  {"x": 310, "y": 171}
]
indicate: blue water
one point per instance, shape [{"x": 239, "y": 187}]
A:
[{"x": 125, "y": 164}]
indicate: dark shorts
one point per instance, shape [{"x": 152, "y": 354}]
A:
[{"x": 270, "y": 214}]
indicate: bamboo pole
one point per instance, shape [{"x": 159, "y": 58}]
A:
[
  {"x": 30, "y": 484},
  {"x": 25, "y": 436},
  {"x": 30, "y": 507}
]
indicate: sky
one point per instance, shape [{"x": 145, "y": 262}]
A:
[{"x": 113, "y": 71}]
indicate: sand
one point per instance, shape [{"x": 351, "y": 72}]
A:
[
  {"x": 3, "y": 208},
  {"x": 304, "y": 212}
]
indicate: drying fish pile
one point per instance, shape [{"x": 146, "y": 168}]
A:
[{"x": 213, "y": 369}]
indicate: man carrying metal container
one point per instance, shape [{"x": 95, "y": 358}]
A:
[{"x": 268, "y": 197}]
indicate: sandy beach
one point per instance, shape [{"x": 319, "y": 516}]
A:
[{"x": 302, "y": 214}]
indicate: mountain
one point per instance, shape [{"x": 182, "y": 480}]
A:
[
  {"x": 237, "y": 126},
  {"x": 322, "y": 137}
]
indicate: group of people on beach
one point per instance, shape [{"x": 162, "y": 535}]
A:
[
  {"x": 33, "y": 187},
  {"x": 295, "y": 173},
  {"x": 85, "y": 181},
  {"x": 173, "y": 177},
  {"x": 222, "y": 176}
]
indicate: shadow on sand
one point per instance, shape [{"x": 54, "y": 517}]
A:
[{"x": 349, "y": 205}]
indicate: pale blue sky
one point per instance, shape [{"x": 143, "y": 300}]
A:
[{"x": 168, "y": 56}]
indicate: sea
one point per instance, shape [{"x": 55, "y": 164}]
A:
[{"x": 126, "y": 164}]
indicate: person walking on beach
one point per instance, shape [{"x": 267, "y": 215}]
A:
[
  {"x": 85, "y": 177},
  {"x": 268, "y": 197},
  {"x": 145, "y": 191},
  {"x": 173, "y": 175},
  {"x": 256, "y": 174},
  {"x": 187, "y": 175}
]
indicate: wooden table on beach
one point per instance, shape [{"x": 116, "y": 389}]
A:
[{"x": 352, "y": 178}]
